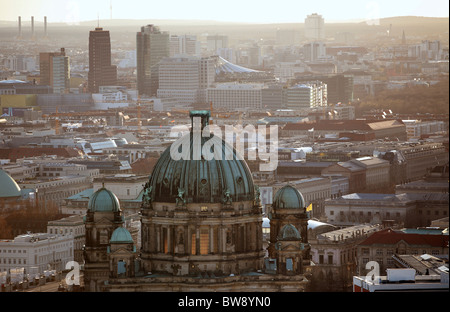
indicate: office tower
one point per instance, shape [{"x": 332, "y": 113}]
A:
[
  {"x": 61, "y": 74},
  {"x": 314, "y": 27},
  {"x": 54, "y": 70},
  {"x": 184, "y": 45},
  {"x": 101, "y": 72},
  {"x": 307, "y": 95},
  {"x": 152, "y": 45},
  {"x": 313, "y": 51},
  {"x": 186, "y": 78},
  {"x": 339, "y": 87},
  {"x": 216, "y": 42}
]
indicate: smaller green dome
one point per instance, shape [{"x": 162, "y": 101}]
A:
[
  {"x": 8, "y": 186},
  {"x": 104, "y": 200},
  {"x": 288, "y": 197},
  {"x": 121, "y": 235},
  {"x": 289, "y": 232}
]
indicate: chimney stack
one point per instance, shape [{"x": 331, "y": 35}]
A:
[
  {"x": 20, "y": 27},
  {"x": 45, "y": 26},
  {"x": 32, "y": 27}
]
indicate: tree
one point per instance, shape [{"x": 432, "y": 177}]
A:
[{"x": 412, "y": 99}]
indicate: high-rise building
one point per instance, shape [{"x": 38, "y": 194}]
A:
[
  {"x": 314, "y": 51},
  {"x": 314, "y": 27},
  {"x": 186, "y": 78},
  {"x": 216, "y": 42},
  {"x": 339, "y": 87},
  {"x": 307, "y": 95},
  {"x": 55, "y": 70},
  {"x": 152, "y": 45},
  {"x": 184, "y": 45},
  {"x": 101, "y": 72}
]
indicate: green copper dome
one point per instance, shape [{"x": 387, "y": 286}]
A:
[
  {"x": 103, "y": 200},
  {"x": 288, "y": 197},
  {"x": 195, "y": 179},
  {"x": 121, "y": 235},
  {"x": 8, "y": 187}
]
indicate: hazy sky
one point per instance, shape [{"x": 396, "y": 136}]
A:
[{"x": 251, "y": 11}]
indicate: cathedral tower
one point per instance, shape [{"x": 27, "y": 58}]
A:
[{"x": 102, "y": 218}]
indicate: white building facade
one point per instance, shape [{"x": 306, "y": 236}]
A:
[
  {"x": 235, "y": 96},
  {"x": 37, "y": 252},
  {"x": 185, "y": 78},
  {"x": 314, "y": 27}
]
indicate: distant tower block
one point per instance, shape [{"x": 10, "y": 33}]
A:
[
  {"x": 32, "y": 27},
  {"x": 20, "y": 28},
  {"x": 45, "y": 27}
]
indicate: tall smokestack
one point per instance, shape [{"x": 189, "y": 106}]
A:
[
  {"x": 32, "y": 27},
  {"x": 20, "y": 27},
  {"x": 45, "y": 26}
]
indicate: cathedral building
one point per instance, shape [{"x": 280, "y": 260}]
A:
[{"x": 201, "y": 227}]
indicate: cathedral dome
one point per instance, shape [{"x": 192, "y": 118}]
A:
[
  {"x": 121, "y": 236},
  {"x": 9, "y": 187},
  {"x": 288, "y": 197},
  {"x": 103, "y": 200},
  {"x": 200, "y": 180}
]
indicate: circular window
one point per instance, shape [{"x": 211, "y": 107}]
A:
[
  {"x": 239, "y": 180},
  {"x": 203, "y": 181}
]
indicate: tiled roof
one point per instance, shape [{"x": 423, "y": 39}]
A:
[
  {"x": 144, "y": 165},
  {"x": 391, "y": 237}
]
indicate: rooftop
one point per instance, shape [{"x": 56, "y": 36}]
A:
[{"x": 390, "y": 237}]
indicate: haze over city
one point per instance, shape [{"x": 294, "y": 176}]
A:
[{"x": 248, "y": 11}]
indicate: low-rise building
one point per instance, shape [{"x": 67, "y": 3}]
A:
[
  {"x": 417, "y": 128},
  {"x": 334, "y": 256},
  {"x": 56, "y": 189},
  {"x": 294, "y": 170},
  {"x": 72, "y": 225},
  {"x": 402, "y": 280},
  {"x": 421, "y": 158},
  {"x": 377, "y": 172},
  {"x": 37, "y": 252},
  {"x": 392, "y": 129},
  {"x": 383, "y": 246},
  {"x": 232, "y": 96},
  {"x": 355, "y": 174},
  {"x": 356, "y": 208}
]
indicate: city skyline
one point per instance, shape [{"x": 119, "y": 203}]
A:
[{"x": 73, "y": 12}]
